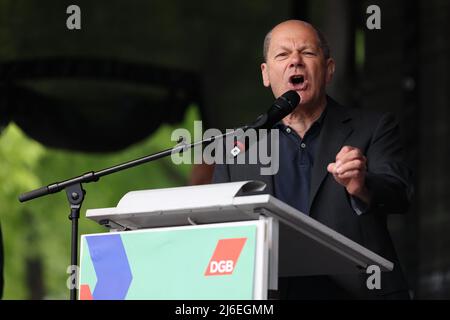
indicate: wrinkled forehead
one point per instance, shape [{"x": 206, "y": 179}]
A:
[{"x": 293, "y": 34}]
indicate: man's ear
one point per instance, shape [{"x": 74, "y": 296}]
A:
[
  {"x": 330, "y": 70},
  {"x": 265, "y": 74}
]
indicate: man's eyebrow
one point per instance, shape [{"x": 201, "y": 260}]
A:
[
  {"x": 281, "y": 48},
  {"x": 309, "y": 46},
  {"x": 303, "y": 47}
]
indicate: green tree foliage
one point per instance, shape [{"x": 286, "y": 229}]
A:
[{"x": 39, "y": 230}]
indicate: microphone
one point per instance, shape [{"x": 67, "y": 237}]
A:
[{"x": 282, "y": 106}]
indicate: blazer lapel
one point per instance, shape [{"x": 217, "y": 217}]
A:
[{"x": 336, "y": 128}]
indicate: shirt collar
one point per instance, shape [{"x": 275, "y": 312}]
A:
[{"x": 281, "y": 126}]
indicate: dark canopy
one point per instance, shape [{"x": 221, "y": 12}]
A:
[{"x": 92, "y": 104}]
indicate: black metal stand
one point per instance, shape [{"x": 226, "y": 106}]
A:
[{"x": 75, "y": 195}]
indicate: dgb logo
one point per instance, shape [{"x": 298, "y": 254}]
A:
[
  {"x": 225, "y": 257},
  {"x": 221, "y": 266}
]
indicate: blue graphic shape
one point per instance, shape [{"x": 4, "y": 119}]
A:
[{"x": 111, "y": 267}]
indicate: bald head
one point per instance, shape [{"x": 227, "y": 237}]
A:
[{"x": 323, "y": 44}]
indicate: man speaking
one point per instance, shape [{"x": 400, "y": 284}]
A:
[{"x": 341, "y": 166}]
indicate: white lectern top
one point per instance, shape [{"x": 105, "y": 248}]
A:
[{"x": 306, "y": 246}]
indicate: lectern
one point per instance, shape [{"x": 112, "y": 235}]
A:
[{"x": 217, "y": 241}]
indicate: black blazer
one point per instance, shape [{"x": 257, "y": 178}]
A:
[{"x": 388, "y": 180}]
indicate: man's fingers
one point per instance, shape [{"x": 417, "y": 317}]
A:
[
  {"x": 344, "y": 150},
  {"x": 357, "y": 164},
  {"x": 348, "y": 156},
  {"x": 349, "y": 174},
  {"x": 348, "y": 153},
  {"x": 331, "y": 168},
  {"x": 349, "y": 168}
]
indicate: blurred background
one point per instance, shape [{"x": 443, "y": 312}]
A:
[{"x": 72, "y": 101}]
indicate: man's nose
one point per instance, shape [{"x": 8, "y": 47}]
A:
[{"x": 296, "y": 60}]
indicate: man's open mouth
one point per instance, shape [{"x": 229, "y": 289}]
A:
[
  {"x": 298, "y": 82},
  {"x": 296, "y": 79}
]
